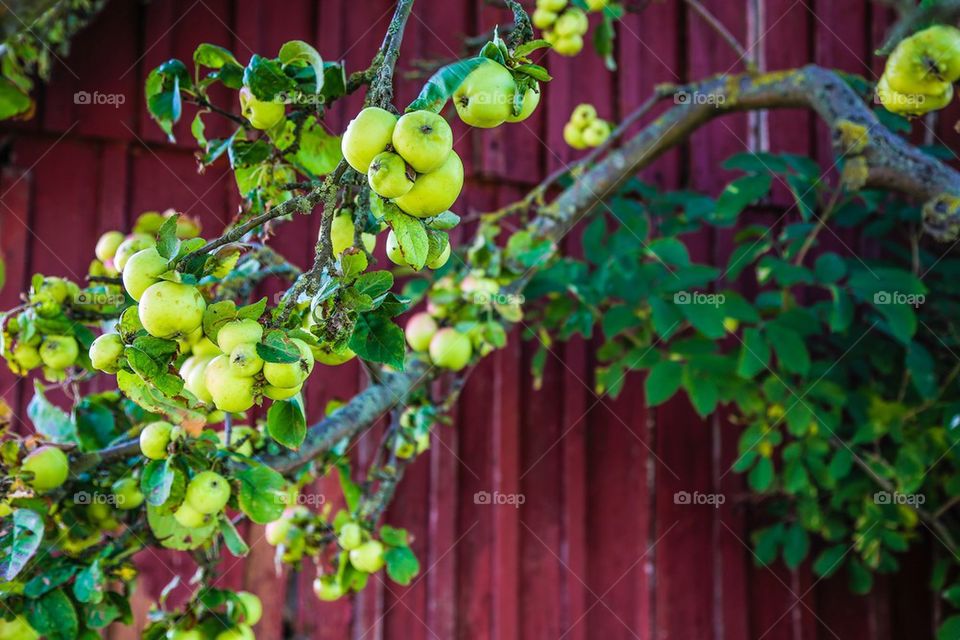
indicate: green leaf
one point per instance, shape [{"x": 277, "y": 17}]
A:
[
  {"x": 662, "y": 382},
  {"x": 754, "y": 354},
  {"x": 739, "y": 194},
  {"x": 860, "y": 580},
  {"x": 527, "y": 48},
  {"x": 49, "y": 419},
  {"x": 27, "y": 535},
  {"x": 830, "y": 267},
  {"x": 234, "y": 541},
  {"x": 377, "y": 339},
  {"x": 53, "y": 616},
  {"x": 161, "y": 479},
  {"x": 299, "y": 52},
  {"x": 172, "y": 535},
  {"x": 411, "y": 236},
  {"x": 374, "y": 283},
  {"x": 402, "y": 565},
  {"x": 319, "y": 152},
  {"x": 796, "y": 545},
  {"x": 671, "y": 251},
  {"x": 393, "y": 537},
  {"x": 286, "y": 423},
  {"x": 792, "y": 354},
  {"x": 920, "y": 364},
  {"x": 266, "y": 79},
  {"x": 442, "y": 84},
  {"x": 950, "y": 629},
  {"x": 443, "y": 221},
  {"x": 167, "y": 243},
  {"x": 13, "y": 101},
  {"x": 351, "y": 490},
  {"x": 829, "y": 561},
  {"x": 535, "y": 71},
  {"x": 262, "y": 493},
  {"x": 212, "y": 56},
  {"x": 89, "y": 584},
  {"x": 277, "y": 347},
  {"x": 761, "y": 476}
]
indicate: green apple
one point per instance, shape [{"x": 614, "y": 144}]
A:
[
  {"x": 49, "y": 466},
  {"x": 543, "y": 18},
  {"x": 552, "y": 5},
  {"x": 531, "y": 98},
  {"x": 105, "y": 352},
  {"x": 196, "y": 381},
  {"x": 573, "y": 22},
  {"x": 596, "y": 5},
  {"x": 573, "y": 136},
  {"x": 154, "y": 439},
  {"x": 280, "y": 393},
  {"x": 324, "y": 353},
  {"x": 229, "y": 392},
  {"x": 187, "y": 516},
  {"x": 306, "y": 354},
  {"x": 289, "y": 374},
  {"x": 351, "y": 536},
  {"x": 923, "y": 62},
  {"x": 394, "y": 252},
  {"x": 59, "y": 352},
  {"x": 244, "y": 360},
  {"x": 596, "y": 133},
  {"x": 341, "y": 235},
  {"x": 204, "y": 347},
  {"x": 171, "y": 309},
  {"x": 239, "y": 632},
  {"x": 388, "y": 175},
  {"x": 237, "y": 332},
  {"x": 420, "y": 329},
  {"x": 368, "y": 557},
  {"x": 366, "y": 136},
  {"x": 327, "y": 589},
  {"x": 107, "y": 245},
  {"x": 17, "y": 629},
  {"x": 485, "y": 97},
  {"x": 403, "y": 449},
  {"x": 252, "y": 607},
  {"x": 133, "y": 244},
  {"x": 142, "y": 270},
  {"x": 911, "y": 104},
  {"x": 450, "y": 349},
  {"x": 423, "y": 139},
  {"x": 26, "y": 356},
  {"x": 262, "y": 115},
  {"x": 569, "y": 45},
  {"x": 434, "y": 192},
  {"x": 441, "y": 259},
  {"x": 583, "y": 115},
  {"x": 185, "y": 634},
  {"x": 127, "y": 493},
  {"x": 276, "y": 532},
  {"x": 208, "y": 492}
]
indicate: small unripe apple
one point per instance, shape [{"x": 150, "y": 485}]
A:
[
  {"x": 189, "y": 517},
  {"x": 583, "y": 114},
  {"x": 423, "y": 139},
  {"x": 208, "y": 492},
  {"x": 326, "y": 588},
  {"x": 596, "y": 133},
  {"x": 230, "y": 392},
  {"x": 196, "y": 381},
  {"x": 420, "y": 329},
  {"x": 351, "y": 536},
  {"x": 450, "y": 349},
  {"x": 237, "y": 332},
  {"x": 252, "y": 607},
  {"x": 434, "y": 192},
  {"x": 531, "y": 98},
  {"x": 324, "y": 353},
  {"x": 186, "y": 634},
  {"x": 105, "y": 352},
  {"x": 341, "y": 235},
  {"x": 127, "y": 493},
  {"x": 49, "y": 466},
  {"x": 367, "y": 135},
  {"x": 242, "y": 434},
  {"x": 368, "y": 557},
  {"x": 107, "y": 245},
  {"x": 244, "y": 360},
  {"x": 552, "y": 5},
  {"x": 276, "y": 532},
  {"x": 171, "y": 309},
  {"x": 27, "y": 356},
  {"x": 573, "y": 136},
  {"x": 133, "y": 244},
  {"x": 17, "y": 629},
  {"x": 388, "y": 176},
  {"x": 261, "y": 114},
  {"x": 154, "y": 439},
  {"x": 569, "y": 45},
  {"x": 280, "y": 393},
  {"x": 142, "y": 270},
  {"x": 485, "y": 97},
  {"x": 441, "y": 259},
  {"x": 59, "y": 352},
  {"x": 573, "y": 22},
  {"x": 543, "y": 19}
]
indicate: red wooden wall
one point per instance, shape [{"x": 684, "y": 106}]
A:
[{"x": 598, "y": 549}]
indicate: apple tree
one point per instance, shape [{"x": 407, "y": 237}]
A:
[{"x": 839, "y": 371}]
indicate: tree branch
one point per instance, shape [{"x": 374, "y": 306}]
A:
[{"x": 943, "y": 11}]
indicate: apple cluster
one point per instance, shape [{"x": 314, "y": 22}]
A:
[
  {"x": 40, "y": 335},
  {"x": 233, "y": 623},
  {"x": 408, "y": 159},
  {"x": 564, "y": 26},
  {"x": 919, "y": 74},
  {"x": 585, "y": 129},
  {"x": 447, "y": 347}
]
